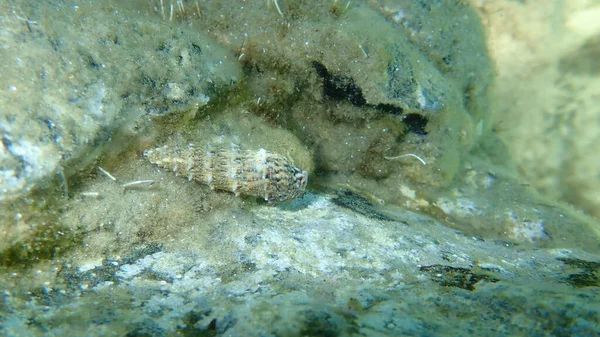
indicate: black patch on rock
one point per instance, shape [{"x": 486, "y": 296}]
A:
[
  {"x": 337, "y": 87},
  {"x": 456, "y": 277},
  {"x": 416, "y": 123},
  {"x": 389, "y": 109},
  {"x": 589, "y": 276},
  {"x": 357, "y": 203}
]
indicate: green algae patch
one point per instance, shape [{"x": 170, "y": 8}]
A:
[
  {"x": 32, "y": 232},
  {"x": 588, "y": 274}
]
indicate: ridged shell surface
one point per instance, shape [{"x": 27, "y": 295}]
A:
[{"x": 259, "y": 173}]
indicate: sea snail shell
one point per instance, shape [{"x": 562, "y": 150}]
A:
[{"x": 259, "y": 173}]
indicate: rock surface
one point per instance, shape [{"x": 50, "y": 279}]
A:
[
  {"x": 310, "y": 268},
  {"x": 70, "y": 83}
]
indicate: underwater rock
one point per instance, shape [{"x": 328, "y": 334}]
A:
[
  {"x": 71, "y": 82},
  {"x": 314, "y": 267},
  {"x": 414, "y": 79}
]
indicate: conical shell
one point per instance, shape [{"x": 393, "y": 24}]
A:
[{"x": 259, "y": 173}]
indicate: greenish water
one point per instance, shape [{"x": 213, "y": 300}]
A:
[{"x": 414, "y": 220}]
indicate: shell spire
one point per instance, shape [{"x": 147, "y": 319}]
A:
[{"x": 259, "y": 173}]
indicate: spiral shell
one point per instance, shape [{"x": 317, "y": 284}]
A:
[{"x": 259, "y": 173}]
